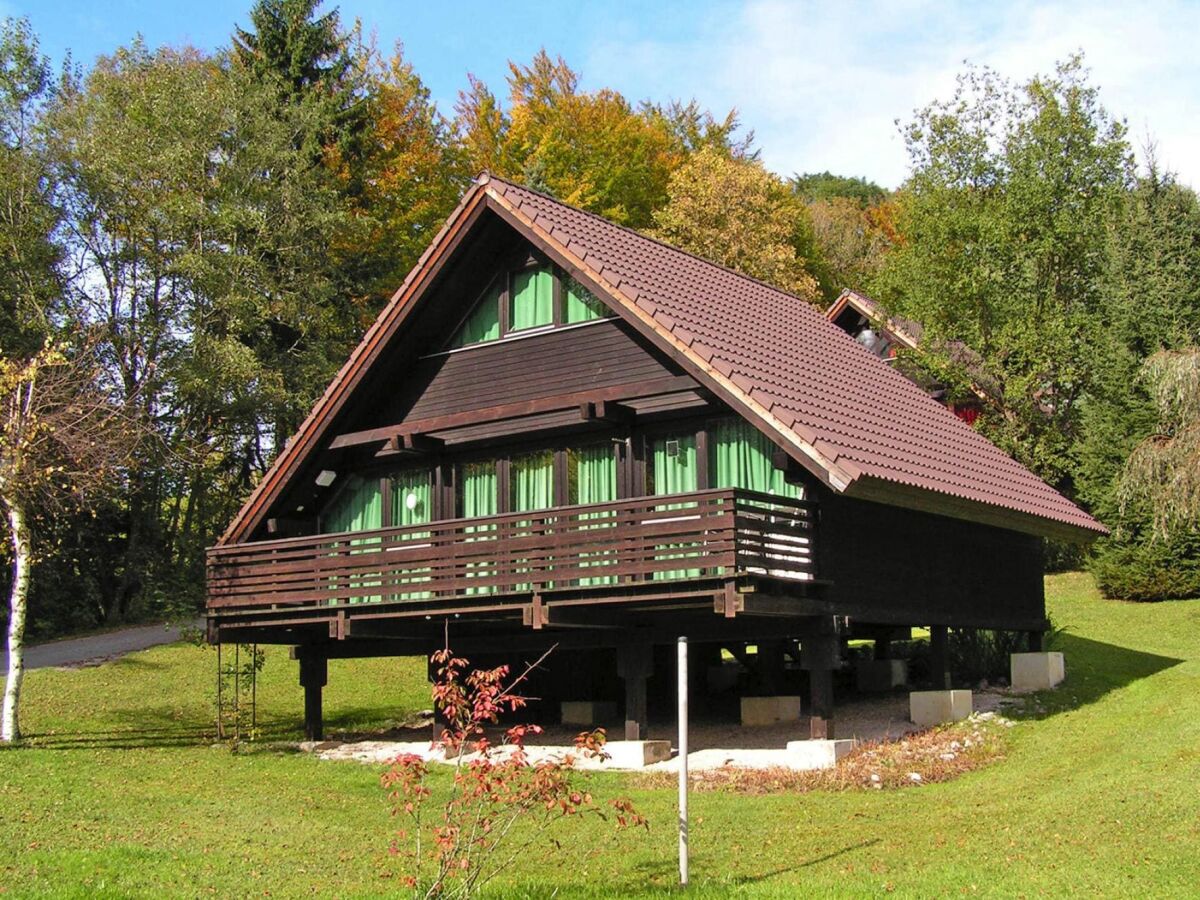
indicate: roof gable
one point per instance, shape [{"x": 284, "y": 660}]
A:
[{"x": 838, "y": 410}]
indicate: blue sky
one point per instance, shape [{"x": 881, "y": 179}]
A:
[{"x": 821, "y": 84}]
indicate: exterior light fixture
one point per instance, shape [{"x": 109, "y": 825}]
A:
[
  {"x": 326, "y": 477},
  {"x": 410, "y": 501}
]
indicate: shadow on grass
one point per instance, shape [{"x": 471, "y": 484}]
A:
[
  {"x": 161, "y": 727},
  {"x": 1094, "y": 669},
  {"x": 658, "y": 878}
]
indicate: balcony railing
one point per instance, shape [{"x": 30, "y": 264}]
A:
[{"x": 596, "y": 548}]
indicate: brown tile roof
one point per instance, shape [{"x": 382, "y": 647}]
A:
[{"x": 847, "y": 410}]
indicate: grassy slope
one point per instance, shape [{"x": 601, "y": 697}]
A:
[{"x": 120, "y": 792}]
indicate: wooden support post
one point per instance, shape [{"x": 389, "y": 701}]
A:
[
  {"x": 635, "y": 664},
  {"x": 939, "y": 673},
  {"x": 314, "y": 675},
  {"x": 883, "y": 646},
  {"x": 770, "y": 666},
  {"x": 820, "y": 656},
  {"x": 1036, "y": 640}
]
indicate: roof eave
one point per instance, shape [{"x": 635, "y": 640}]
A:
[{"x": 892, "y": 493}]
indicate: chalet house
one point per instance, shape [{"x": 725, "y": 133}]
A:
[{"x": 560, "y": 431}]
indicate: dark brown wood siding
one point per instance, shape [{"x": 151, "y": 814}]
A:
[
  {"x": 596, "y": 355},
  {"x": 889, "y": 564}
]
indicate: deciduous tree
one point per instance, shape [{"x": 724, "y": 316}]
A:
[
  {"x": 736, "y": 214},
  {"x": 1004, "y": 224},
  {"x": 63, "y": 440}
]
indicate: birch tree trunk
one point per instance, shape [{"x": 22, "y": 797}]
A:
[{"x": 19, "y": 533}]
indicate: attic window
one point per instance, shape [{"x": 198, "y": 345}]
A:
[
  {"x": 528, "y": 298},
  {"x": 532, "y": 299},
  {"x": 483, "y": 324},
  {"x": 580, "y": 304}
]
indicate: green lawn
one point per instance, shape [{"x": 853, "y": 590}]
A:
[{"x": 119, "y": 791}]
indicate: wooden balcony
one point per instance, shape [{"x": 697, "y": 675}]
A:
[{"x": 662, "y": 547}]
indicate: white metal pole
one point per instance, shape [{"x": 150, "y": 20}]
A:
[{"x": 683, "y": 762}]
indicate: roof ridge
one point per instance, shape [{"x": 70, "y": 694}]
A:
[{"x": 645, "y": 237}]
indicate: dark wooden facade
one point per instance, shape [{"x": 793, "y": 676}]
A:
[{"x": 721, "y": 564}]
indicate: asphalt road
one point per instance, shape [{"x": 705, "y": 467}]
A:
[{"x": 95, "y": 648}]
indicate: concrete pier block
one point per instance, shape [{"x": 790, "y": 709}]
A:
[
  {"x": 817, "y": 754},
  {"x": 873, "y": 675},
  {"x": 1037, "y": 671},
  {"x": 769, "y": 710},
  {"x": 587, "y": 712},
  {"x": 927, "y": 708},
  {"x": 636, "y": 754}
]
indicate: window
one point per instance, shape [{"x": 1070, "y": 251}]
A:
[
  {"x": 483, "y": 324},
  {"x": 528, "y": 298},
  {"x": 531, "y": 482},
  {"x": 531, "y": 304},
  {"x": 476, "y": 489},
  {"x": 673, "y": 468},
  {"x": 358, "y": 507},
  {"x": 591, "y": 475},
  {"x": 580, "y": 305},
  {"x": 741, "y": 456},
  {"x": 412, "y": 498}
]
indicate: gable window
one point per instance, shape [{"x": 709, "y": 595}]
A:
[
  {"x": 526, "y": 298},
  {"x": 483, "y": 324},
  {"x": 531, "y": 302},
  {"x": 580, "y": 304}
]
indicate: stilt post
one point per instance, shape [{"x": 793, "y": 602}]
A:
[
  {"x": 635, "y": 664},
  {"x": 314, "y": 675},
  {"x": 820, "y": 657},
  {"x": 939, "y": 672}
]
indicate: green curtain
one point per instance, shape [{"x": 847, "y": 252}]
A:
[
  {"x": 591, "y": 474},
  {"x": 531, "y": 482},
  {"x": 412, "y": 504},
  {"x": 483, "y": 324},
  {"x": 359, "y": 507},
  {"x": 531, "y": 487},
  {"x": 592, "y": 478},
  {"x": 675, "y": 473},
  {"x": 532, "y": 302},
  {"x": 740, "y": 456},
  {"x": 579, "y": 304},
  {"x": 477, "y": 483}
]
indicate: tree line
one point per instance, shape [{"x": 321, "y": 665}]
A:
[{"x": 213, "y": 231}]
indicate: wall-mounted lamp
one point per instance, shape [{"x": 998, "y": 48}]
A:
[{"x": 325, "y": 477}]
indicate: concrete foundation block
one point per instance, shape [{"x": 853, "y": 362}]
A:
[
  {"x": 817, "y": 754},
  {"x": 769, "y": 710},
  {"x": 587, "y": 712},
  {"x": 636, "y": 754},
  {"x": 927, "y": 708},
  {"x": 1037, "y": 671},
  {"x": 873, "y": 675}
]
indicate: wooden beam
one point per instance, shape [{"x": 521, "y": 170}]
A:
[
  {"x": 607, "y": 411},
  {"x": 652, "y": 387}
]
